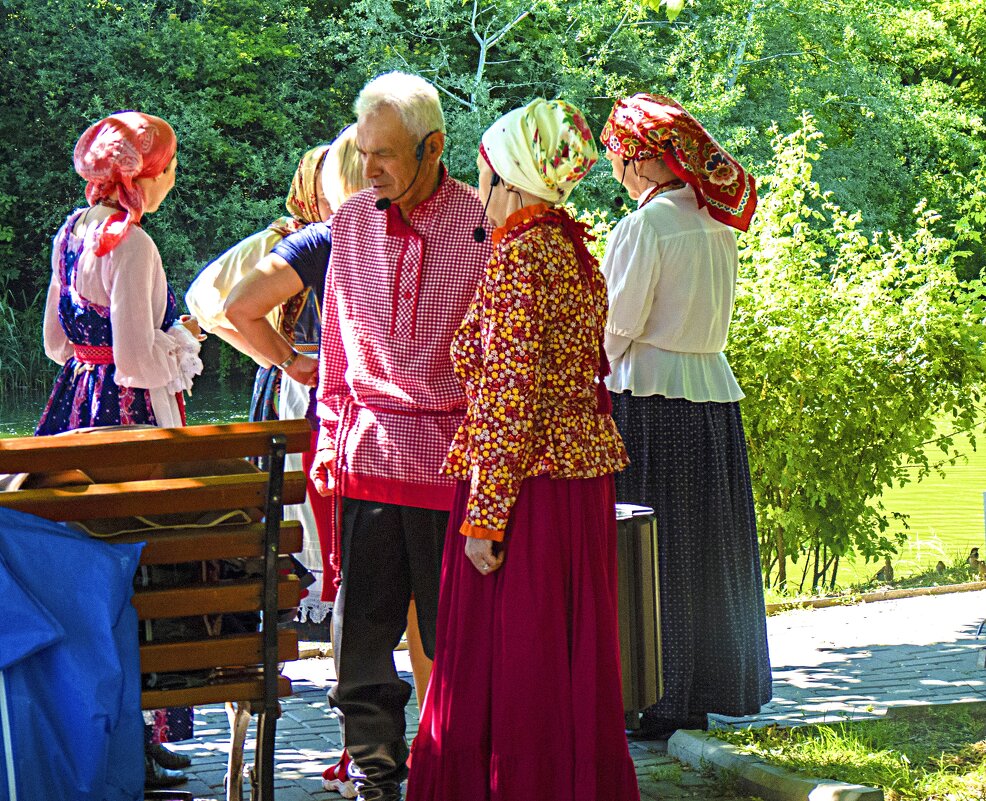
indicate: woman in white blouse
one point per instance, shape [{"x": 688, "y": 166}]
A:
[
  {"x": 671, "y": 269},
  {"x": 111, "y": 320}
]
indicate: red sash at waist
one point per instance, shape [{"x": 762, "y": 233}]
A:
[{"x": 93, "y": 354}]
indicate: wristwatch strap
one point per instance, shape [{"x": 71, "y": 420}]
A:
[{"x": 289, "y": 361}]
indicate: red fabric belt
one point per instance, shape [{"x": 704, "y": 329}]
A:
[{"x": 93, "y": 354}]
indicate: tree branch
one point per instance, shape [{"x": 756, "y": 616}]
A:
[
  {"x": 616, "y": 30},
  {"x": 472, "y": 22},
  {"x": 778, "y": 55},
  {"x": 435, "y": 82},
  {"x": 460, "y": 100},
  {"x": 509, "y": 26},
  {"x": 740, "y": 55}
]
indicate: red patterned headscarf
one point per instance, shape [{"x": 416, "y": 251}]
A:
[
  {"x": 653, "y": 126},
  {"x": 111, "y": 155}
]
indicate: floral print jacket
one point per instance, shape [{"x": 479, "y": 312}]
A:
[{"x": 528, "y": 355}]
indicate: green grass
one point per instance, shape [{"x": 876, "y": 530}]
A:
[
  {"x": 939, "y": 755},
  {"x": 26, "y": 369},
  {"x": 946, "y": 514},
  {"x": 956, "y": 572}
]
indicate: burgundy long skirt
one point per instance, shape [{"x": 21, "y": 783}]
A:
[{"x": 524, "y": 699}]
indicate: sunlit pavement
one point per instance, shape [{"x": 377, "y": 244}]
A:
[
  {"x": 852, "y": 661},
  {"x": 858, "y": 661}
]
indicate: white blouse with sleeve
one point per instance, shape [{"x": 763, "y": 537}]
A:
[
  {"x": 671, "y": 273},
  {"x": 57, "y": 346},
  {"x": 208, "y": 292},
  {"x": 130, "y": 280}
]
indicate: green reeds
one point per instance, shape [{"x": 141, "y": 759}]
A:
[{"x": 25, "y": 371}]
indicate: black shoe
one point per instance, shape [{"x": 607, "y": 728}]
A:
[
  {"x": 663, "y": 728},
  {"x": 380, "y": 770},
  {"x": 169, "y": 759},
  {"x": 652, "y": 730},
  {"x": 156, "y": 777}
]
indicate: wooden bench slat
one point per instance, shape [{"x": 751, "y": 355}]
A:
[
  {"x": 149, "y": 446},
  {"x": 229, "y": 651},
  {"x": 163, "y": 496},
  {"x": 201, "y": 543},
  {"x": 177, "y": 475},
  {"x": 216, "y": 693},
  {"x": 212, "y": 599}
]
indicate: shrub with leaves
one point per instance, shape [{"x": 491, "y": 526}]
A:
[{"x": 850, "y": 348}]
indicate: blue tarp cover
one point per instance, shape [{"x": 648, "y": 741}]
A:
[{"x": 70, "y": 721}]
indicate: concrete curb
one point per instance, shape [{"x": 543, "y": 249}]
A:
[
  {"x": 701, "y": 750},
  {"x": 314, "y": 650},
  {"x": 870, "y": 597}
]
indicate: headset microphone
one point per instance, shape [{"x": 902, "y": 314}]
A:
[
  {"x": 385, "y": 203},
  {"x": 479, "y": 233},
  {"x": 618, "y": 200}
]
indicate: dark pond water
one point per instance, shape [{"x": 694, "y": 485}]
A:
[{"x": 210, "y": 404}]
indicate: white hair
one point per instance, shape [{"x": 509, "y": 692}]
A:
[{"x": 412, "y": 97}]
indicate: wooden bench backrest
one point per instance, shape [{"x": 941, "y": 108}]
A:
[{"x": 125, "y": 467}]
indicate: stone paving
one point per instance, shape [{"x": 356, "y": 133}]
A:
[
  {"x": 828, "y": 663},
  {"x": 857, "y": 661}
]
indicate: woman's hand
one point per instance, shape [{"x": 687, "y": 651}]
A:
[
  {"x": 304, "y": 370},
  {"x": 193, "y": 326},
  {"x": 480, "y": 553},
  {"x": 321, "y": 472}
]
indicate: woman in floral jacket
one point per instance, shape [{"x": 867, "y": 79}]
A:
[{"x": 527, "y": 627}]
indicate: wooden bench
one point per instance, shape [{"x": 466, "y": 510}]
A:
[{"x": 126, "y": 468}]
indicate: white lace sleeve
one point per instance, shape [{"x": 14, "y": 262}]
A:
[{"x": 187, "y": 349}]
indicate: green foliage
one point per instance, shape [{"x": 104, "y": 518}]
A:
[
  {"x": 671, "y": 7},
  {"x": 26, "y": 369},
  {"x": 848, "y": 340},
  {"x": 243, "y": 96},
  {"x": 850, "y": 348}
]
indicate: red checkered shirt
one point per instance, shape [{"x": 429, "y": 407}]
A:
[{"x": 389, "y": 402}]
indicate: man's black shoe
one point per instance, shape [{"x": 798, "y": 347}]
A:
[
  {"x": 167, "y": 758},
  {"x": 156, "y": 777}
]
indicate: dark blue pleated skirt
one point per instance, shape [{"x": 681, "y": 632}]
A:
[{"x": 688, "y": 462}]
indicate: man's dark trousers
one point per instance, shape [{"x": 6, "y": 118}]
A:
[{"x": 388, "y": 553}]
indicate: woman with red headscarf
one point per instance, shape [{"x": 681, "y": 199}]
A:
[
  {"x": 671, "y": 268},
  {"x": 111, "y": 319},
  {"x": 112, "y": 322}
]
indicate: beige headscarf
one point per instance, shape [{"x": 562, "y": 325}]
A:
[{"x": 544, "y": 148}]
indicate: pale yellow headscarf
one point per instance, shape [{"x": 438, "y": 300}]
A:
[{"x": 544, "y": 148}]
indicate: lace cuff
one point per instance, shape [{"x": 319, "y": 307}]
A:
[{"x": 186, "y": 351}]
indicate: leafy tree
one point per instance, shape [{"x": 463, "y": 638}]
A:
[
  {"x": 229, "y": 76},
  {"x": 851, "y": 348},
  {"x": 851, "y": 341},
  {"x": 888, "y": 83}
]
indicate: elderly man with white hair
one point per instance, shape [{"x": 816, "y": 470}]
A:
[{"x": 406, "y": 259}]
